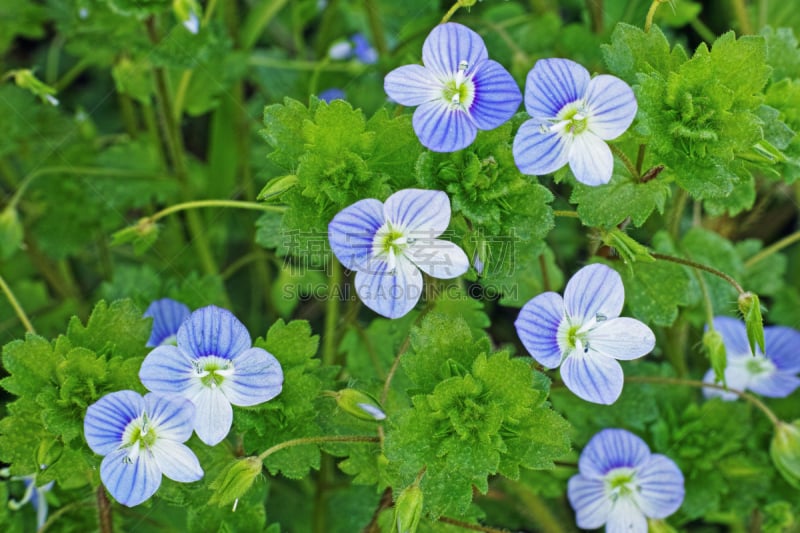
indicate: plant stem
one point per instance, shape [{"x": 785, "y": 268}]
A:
[
  {"x": 16, "y": 306},
  {"x": 648, "y": 21},
  {"x": 237, "y": 204},
  {"x": 104, "y": 519},
  {"x": 700, "y": 266},
  {"x": 452, "y": 11},
  {"x": 640, "y": 158},
  {"x": 624, "y": 158},
  {"x": 565, "y": 214},
  {"x": 316, "y": 440},
  {"x": 771, "y": 249},
  {"x": 709, "y": 307},
  {"x": 674, "y": 225},
  {"x": 534, "y": 506},
  {"x": 740, "y": 11},
  {"x": 595, "y": 8},
  {"x": 376, "y": 26},
  {"x": 701, "y": 384},
  {"x": 703, "y": 31},
  {"x": 349, "y": 67},
  {"x": 403, "y": 347},
  {"x": 472, "y": 527},
  {"x": 332, "y": 314}
]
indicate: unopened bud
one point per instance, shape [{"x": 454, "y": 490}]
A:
[
  {"x": 785, "y": 451},
  {"x": 359, "y": 404},
  {"x": 10, "y": 232},
  {"x": 750, "y": 307},
  {"x": 235, "y": 481},
  {"x": 715, "y": 351},
  {"x": 408, "y": 510},
  {"x": 188, "y": 13}
]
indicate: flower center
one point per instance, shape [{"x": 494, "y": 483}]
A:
[
  {"x": 621, "y": 482},
  {"x": 139, "y": 435},
  {"x": 213, "y": 370},
  {"x": 573, "y": 336},
  {"x": 390, "y": 242},
  {"x": 459, "y": 92},
  {"x": 573, "y": 119},
  {"x": 759, "y": 365}
]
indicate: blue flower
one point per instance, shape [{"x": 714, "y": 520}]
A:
[
  {"x": 35, "y": 495},
  {"x": 773, "y": 375},
  {"x": 571, "y": 118},
  {"x": 141, "y": 438},
  {"x": 584, "y": 334},
  {"x": 364, "y": 51},
  {"x": 214, "y": 365},
  {"x": 459, "y": 90},
  {"x": 328, "y": 95},
  {"x": 388, "y": 243},
  {"x": 621, "y": 484},
  {"x": 168, "y": 315}
]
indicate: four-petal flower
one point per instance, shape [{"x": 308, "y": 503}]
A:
[
  {"x": 214, "y": 365},
  {"x": 388, "y": 243},
  {"x": 459, "y": 90},
  {"x": 584, "y": 333},
  {"x": 621, "y": 484},
  {"x": 571, "y": 118},
  {"x": 773, "y": 375},
  {"x": 141, "y": 438}
]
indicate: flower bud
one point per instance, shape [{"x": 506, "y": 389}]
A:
[
  {"x": 359, "y": 404},
  {"x": 235, "y": 481},
  {"x": 715, "y": 351},
  {"x": 750, "y": 307},
  {"x": 408, "y": 510},
  {"x": 785, "y": 451},
  {"x": 10, "y": 232},
  {"x": 188, "y": 13}
]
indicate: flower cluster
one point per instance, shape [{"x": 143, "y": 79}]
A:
[
  {"x": 621, "y": 484},
  {"x": 773, "y": 375},
  {"x": 584, "y": 334},
  {"x": 202, "y": 363},
  {"x": 460, "y": 91}
]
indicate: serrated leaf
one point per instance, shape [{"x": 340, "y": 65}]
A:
[{"x": 608, "y": 205}]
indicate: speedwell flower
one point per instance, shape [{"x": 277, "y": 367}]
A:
[
  {"x": 141, "y": 438},
  {"x": 168, "y": 315},
  {"x": 621, "y": 484},
  {"x": 572, "y": 117},
  {"x": 584, "y": 333},
  {"x": 459, "y": 90},
  {"x": 388, "y": 243},
  {"x": 214, "y": 365},
  {"x": 773, "y": 375}
]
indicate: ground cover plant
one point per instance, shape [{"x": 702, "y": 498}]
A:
[{"x": 420, "y": 266}]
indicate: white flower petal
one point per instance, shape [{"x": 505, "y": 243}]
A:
[
  {"x": 739, "y": 377},
  {"x": 594, "y": 378},
  {"x": 661, "y": 487},
  {"x": 257, "y": 377},
  {"x": 214, "y": 415},
  {"x": 551, "y": 84},
  {"x": 390, "y": 294},
  {"x": 352, "y": 231},
  {"x": 621, "y": 338},
  {"x": 612, "y": 448},
  {"x": 176, "y": 461},
  {"x": 537, "y": 326},
  {"x": 130, "y": 482},
  {"x": 438, "y": 258},
  {"x": 626, "y": 517},
  {"x": 594, "y": 289},
  {"x": 412, "y": 85},
  {"x": 539, "y": 151},
  {"x": 168, "y": 369},
  {"x": 419, "y": 213},
  {"x": 212, "y": 330},
  {"x": 497, "y": 96},
  {"x": 451, "y": 45},
  {"x": 107, "y": 418},
  {"x": 171, "y": 416},
  {"x": 590, "y": 159},
  {"x": 442, "y": 128},
  {"x": 588, "y": 498},
  {"x": 612, "y": 106}
]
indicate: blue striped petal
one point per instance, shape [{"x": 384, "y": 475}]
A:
[
  {"x": 390, "y": 294},
  {"x": 497, "y": 96},
  {"x": 621, "y": 338},
  {"x": 169, "y": 369},
  {"x": 176, "y": 461},
  {"x": 130, "y": 482},
  {"x": 168, "y": 315},
  {"x": 450, "y": 44},
  {"x": 442, "y": 128},
  {"x": 734, "y": 336},
  {"x": 781, "y": 344},
  {"x": 610, "y": 449},
  {"x": 257, "y": 377},
  {"x": 438, "y": 258},
  {"x": 551, "y": 84},
  {"x": 212, "y": 330},
  {"x": 590, "y": 159},
  {"x": 172, "y": 416},
  {"x": 612, "y": 106},
  {"x": 594, "y": 290},
  {"x": 107, "y": 418},
  {"x": 537, "y": 327},
  {"x": 352, "y": 231},
  {"x": 774, "y": 384},
  {"x": 420, "y": 213},
  {"x": 661, "y": 488},
  {"x": 214, "y": 415},
  {"x": 626, "y": 517},
  {"x": 412, "y": 85},
  {"x": 538, "y": 150},
  {"x": 588, "y": 498},
  {"x": 596, "y": 379}
]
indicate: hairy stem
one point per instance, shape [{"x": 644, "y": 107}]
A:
[
  {"x": 740, "y": 12},
  {"x": 332, "y": 314},
  {"x": 20, "y": 312},
  {"x": 104, "y": 521},
  {"x": 595, "y": 8},
  {"x": 565, "y": 214},
  {"x": 316, "y": 440},
  {"x": 376, "y": 26},
  {"x": 471, "y": 527},
  {"x": 195, "y": 204},
  {"x": 700, "y": 266},
  {"x": 648, "y": 21},
  {"x": 746, "y": 396},
  {"x": 626, "y": 161},
  {"x": 773, "y": 248}
]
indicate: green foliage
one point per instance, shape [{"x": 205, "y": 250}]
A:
[{"x": 623, "y": 197}]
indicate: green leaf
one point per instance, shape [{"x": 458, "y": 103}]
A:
[
  {"x": 632, "y": 51},
  {"x": 608, "y": 205},
  {"x": 783, "y": 54}
]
